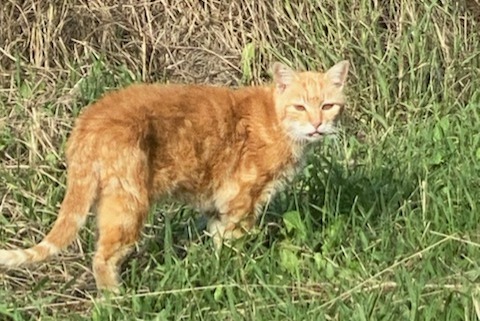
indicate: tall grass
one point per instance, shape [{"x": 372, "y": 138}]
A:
[{"x": 381, "y": 225}]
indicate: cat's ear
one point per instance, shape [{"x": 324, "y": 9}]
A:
[
  {"x": 283, "y": 76},
  {"x": 338, "y": 73}
]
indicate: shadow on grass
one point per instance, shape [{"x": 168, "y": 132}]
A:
[{"x": 380, "y": 190}]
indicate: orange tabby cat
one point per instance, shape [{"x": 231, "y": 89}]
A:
[{"x": 223, "y": 151}]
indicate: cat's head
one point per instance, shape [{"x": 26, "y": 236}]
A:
[{"x": 309, "y": 103}]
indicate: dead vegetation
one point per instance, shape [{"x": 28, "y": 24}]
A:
[
  {"x": 178, "y": 40},
  {"x": 191, "y": 41}
]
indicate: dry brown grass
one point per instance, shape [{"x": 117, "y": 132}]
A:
[{"x": 191, "y": 41}]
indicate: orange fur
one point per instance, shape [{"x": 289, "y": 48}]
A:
[{"x": 224, "y": 151}]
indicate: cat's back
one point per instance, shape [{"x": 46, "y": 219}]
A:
[
  {"x": 167, "y": 113},
  {"x": 164, "y": 106},
  {"x": 159, "y": 99}
]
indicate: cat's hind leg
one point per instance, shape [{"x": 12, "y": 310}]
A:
[{"x": 121, "y": 212}]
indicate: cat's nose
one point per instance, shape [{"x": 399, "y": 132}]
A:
[{"x": 317, "y": 124}]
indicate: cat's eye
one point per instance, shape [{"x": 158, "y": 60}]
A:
[
  {"x": 299, "y": 107},
  {"x": 327, "y": 106}
]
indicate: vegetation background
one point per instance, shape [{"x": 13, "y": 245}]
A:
[{"x": 383, "y": 223}]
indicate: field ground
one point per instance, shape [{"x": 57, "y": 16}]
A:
[{"x": 383, "y": 224}]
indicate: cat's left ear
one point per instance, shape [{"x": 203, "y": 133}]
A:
[
  {"x": 283, "y": 76},
  {"x": 338, "y": 73}
]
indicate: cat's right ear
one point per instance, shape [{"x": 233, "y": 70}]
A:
[{"x": 282, "y": 76}]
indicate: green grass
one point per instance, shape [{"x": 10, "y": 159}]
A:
[{"x": 381, "y": 225}]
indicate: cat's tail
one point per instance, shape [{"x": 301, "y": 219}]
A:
[{"x": 80, "y": 195}]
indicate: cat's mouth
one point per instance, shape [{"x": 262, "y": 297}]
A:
[{"x": 315, "y": 134}]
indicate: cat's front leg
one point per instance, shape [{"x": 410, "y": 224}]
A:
[
  {"x": 239, "y": 199},
  {"x": 226, "y": 227},
  {"x": 236, "y": 212}
]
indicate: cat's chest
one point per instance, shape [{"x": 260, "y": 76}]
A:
[
  {"x": 256, "y": 180},
  {"x": 281, "y": 178}
]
